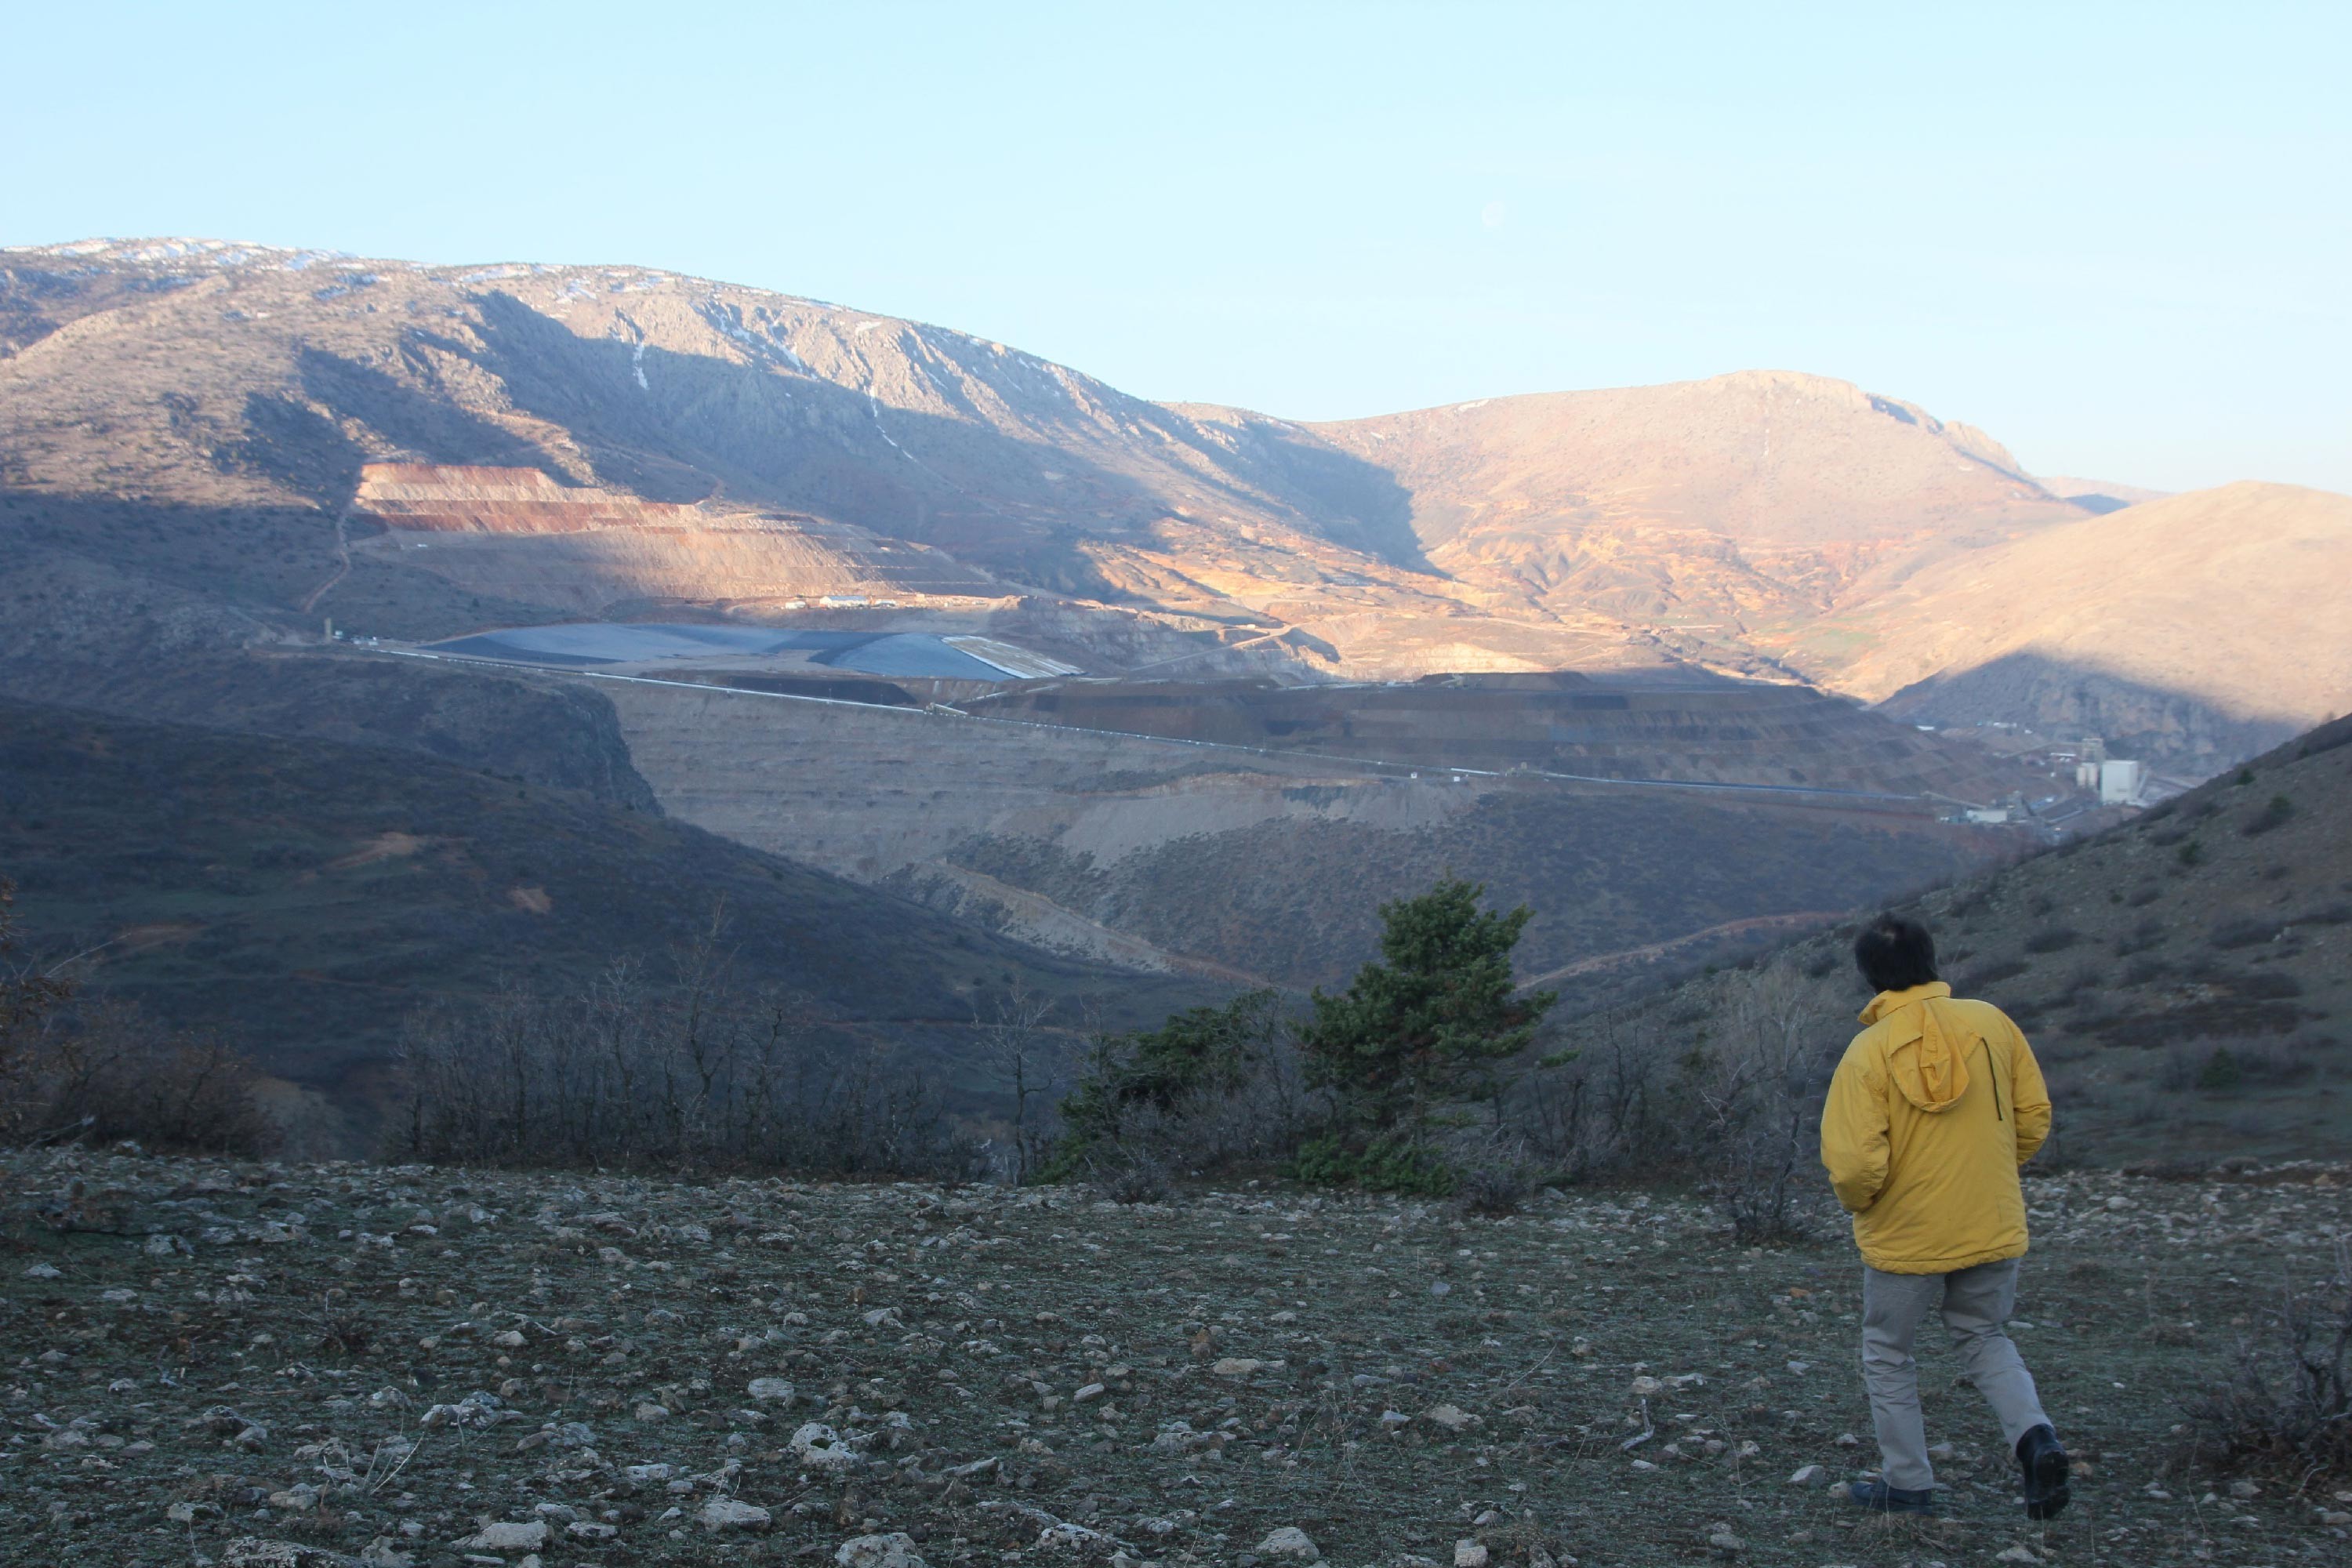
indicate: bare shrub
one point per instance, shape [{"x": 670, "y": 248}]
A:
[
  {"x": 103, "y": 1071},
  {"x": 2277, "y": 813},
  {"x": 1134, "y": 1178},
  {"x": 1495, "y": 1188},
  {"x": 1735, "y": 1101},
  {"x": 2249, "y": 931},
  {"x": 2285, "y": 1405},
  {"x": 2222, "y": 1066},
  {"x": 689, "y": 1075}
]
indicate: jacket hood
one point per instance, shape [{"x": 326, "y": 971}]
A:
[{"x": 1924, "y": 1057}]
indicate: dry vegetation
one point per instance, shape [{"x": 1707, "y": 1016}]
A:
[{"x": 2185, "y": 979}]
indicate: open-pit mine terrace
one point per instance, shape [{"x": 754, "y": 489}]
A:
[{"x": 1232, "y": 827}]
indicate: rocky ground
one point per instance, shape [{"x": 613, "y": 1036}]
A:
[{"x": 208, "y": 1363}]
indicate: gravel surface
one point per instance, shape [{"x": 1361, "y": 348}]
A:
[{"x": 208, "y": 1362}]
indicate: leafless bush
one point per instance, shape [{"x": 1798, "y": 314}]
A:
[
  {"x": 1133, "y": 1178},
  {"x": 1732, "y": 1096},
  {"x": 2285, "y": 1407},
  {"x": 104, "y": 1071},
  {"x": 1495, "y": 1188},
  {"x": 2051, "y": 939},
  {"x": 689, "y": 1075},
  {"x": 2219, "y": 1066}
]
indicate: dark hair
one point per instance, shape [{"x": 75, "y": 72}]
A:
[{"x": 1894, "y": 955}]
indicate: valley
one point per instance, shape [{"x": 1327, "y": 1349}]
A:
[{"x": 1176, "y": 690}]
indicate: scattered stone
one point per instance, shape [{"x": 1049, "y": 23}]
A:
[
  {"x": 1290, "y": 1541},
  {"x": 896, "y": 1550},
  {"x": 730, "y": 1513},
  {"x": 44, "y": 1271},
  {"x": 1237, "y": 1366},
  {"x": 505, "y": 1536},
  {"x": 768, "y": 1389},
  {"x": 1723, "y": 1543},
  {"x": 250, "y": 1552},
  {"x": 820, "y": 1448},
  {"x": 2015, "y": 1554},
  {"x": 1469, "y": 1554}
]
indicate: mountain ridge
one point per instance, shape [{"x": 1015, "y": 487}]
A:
[{"x": 1746, "y": 523}]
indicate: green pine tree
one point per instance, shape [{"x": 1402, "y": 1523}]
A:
[{"x": 1428, "y": 1023}]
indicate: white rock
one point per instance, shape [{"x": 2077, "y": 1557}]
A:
[
  {"x": 1809, "y": 1476},
  {"x": 1290, "y": 1541},
  {"x": 1091, "y": 1391},
  {"x": 1452, "y": 1418},
  {"x": 1469, "y": 1554},
  {"x": 1063, "y": 1536},
  {"x": 1647, "y": 1387},
  {"x": 768, "y": 1388},
  {"x": 589, "y": 1529},
  {"x": 728, "y": 1513},
  {"x": 896, "y": 1550},
  {"x": 44, "y": 1271},
  {"x": 1237, "y": 1366},
  {"x": 820, "y": 1448},
  {"x": 507, "y": 1536}
]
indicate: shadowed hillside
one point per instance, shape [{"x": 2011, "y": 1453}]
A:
[{"x": 304, "y": 895}]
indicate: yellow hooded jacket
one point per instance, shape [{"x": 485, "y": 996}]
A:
[{"x": 1935, "y": 1105}]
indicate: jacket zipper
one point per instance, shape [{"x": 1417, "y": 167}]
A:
[{"x": 1995, "y": 1077}]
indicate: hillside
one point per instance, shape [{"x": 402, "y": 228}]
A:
[
  {"x": 304, "y": 895},
  {"x": 2193, "y": 629},
  {"x": 1745, "y": 498},
  {"x": 2185, "y": 979}
]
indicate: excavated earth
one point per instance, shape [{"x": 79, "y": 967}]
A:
[{"x": 235, "y": 1365}]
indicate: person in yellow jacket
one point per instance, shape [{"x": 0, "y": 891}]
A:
[{"x": 1935, "y": 1106}]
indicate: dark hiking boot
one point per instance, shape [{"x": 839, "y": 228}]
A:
[
  {"x": 1879, "y": 1497},
  {"x": 2044, "y": 1464}
]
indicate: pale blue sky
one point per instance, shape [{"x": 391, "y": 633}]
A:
[{"x": 2118, "y": 238}]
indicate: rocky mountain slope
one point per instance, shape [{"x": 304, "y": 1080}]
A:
[
  {"x": 2186, "y": 978},
  {"x": 192, "y": 419}
]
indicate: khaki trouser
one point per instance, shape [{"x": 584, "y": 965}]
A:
[{"x": 1976, "y": 1303}]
